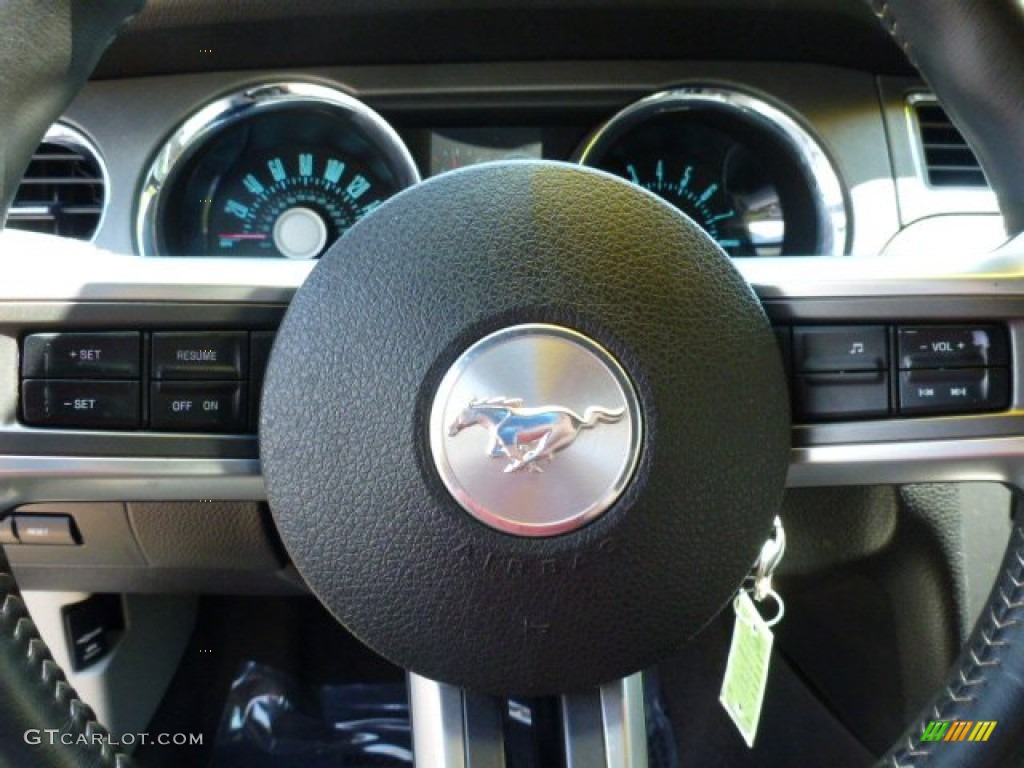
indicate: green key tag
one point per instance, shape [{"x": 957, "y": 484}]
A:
[{"x": 746, "y": 672}]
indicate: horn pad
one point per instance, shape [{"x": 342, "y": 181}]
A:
[{"x": 373, "y": 336}]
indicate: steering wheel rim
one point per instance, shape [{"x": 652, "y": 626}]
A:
[{"x": 982, "y": 656}]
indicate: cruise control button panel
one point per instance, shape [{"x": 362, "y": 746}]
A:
[
  {"x": 170, "y": 381},
  {"x": 210, "y": 381}
]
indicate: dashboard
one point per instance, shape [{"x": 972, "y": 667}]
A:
[{"x": 772, "y": 159}]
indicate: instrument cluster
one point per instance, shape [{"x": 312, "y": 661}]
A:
[{"x": 284, "y": 169}]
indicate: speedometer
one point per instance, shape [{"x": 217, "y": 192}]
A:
[
  {"x": 292, "y": 204},
  {"x": 279, "y": 170}
]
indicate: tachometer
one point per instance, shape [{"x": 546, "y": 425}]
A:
[
  {"x": 746, "y": 172},
  {"x": 278, "y": 170},
  {"x": 742, "y": 213}
]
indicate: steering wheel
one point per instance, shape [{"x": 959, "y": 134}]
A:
[{"x": 525, "y": 426}]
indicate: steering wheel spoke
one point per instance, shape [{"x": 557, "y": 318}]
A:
[
  {"x": 601, "y": 728},
  {"x": 453, "y": 728},
  {"x": 618, "y": 714}
]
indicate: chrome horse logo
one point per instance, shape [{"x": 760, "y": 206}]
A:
[{"x": 526, "y": 435}]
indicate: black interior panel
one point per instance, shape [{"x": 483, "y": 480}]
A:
[{"x": 202, "y": 36}]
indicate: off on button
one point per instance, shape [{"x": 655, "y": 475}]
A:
[{"x": 205, "y": 406}]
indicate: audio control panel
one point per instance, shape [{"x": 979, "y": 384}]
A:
[{"x": 855, "y": 372}]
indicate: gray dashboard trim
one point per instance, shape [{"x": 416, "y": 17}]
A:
[
  {"x": 55, "y": 269},
  {"x": 43, "y": 268},
  {"x": 999, "y": 460},
  {"x": 77, "y": 478},
  {"x": 28, "y": 479}
]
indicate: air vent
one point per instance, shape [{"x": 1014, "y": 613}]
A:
[
  {"x": 948, "y": 161},
  {"x": 63, "y": 191}
]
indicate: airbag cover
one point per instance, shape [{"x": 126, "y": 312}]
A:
[{"x": 346, "y": 410}]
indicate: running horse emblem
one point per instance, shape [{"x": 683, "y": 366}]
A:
[{"x": 526, "y": 435}]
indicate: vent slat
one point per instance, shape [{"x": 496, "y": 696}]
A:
[
  {"x": 63, "y": 180},
  {"x": 933, "y": 145},
  {"x": 948, "y": 161},
  {"x": 62, "y": 191},
  {"x": 36, "y": 212}
]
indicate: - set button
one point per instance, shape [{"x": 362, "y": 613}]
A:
[
  {"x": 207, "y": 406},
  {"x": 81, "y": 356},
  {"x": 89, "y": 404},
  {"x": 191, "y": 356}
]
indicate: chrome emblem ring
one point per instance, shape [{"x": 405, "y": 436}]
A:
[{"x": 535, "y": 430}]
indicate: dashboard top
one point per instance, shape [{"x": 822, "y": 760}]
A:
[{"x": 178, "y": 36}]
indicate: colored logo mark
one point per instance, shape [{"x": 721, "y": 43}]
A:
[{"x": 958, "y": 730}]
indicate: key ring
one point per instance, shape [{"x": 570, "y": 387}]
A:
[{"x": 775, "y": 596}]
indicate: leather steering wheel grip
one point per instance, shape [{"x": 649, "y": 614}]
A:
[
  {"x": 971, "y": 52},
  {"x": 986, "y": 684},
  {"x": 37, "y": 696},
  {"x": 48, "y": 48}
]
